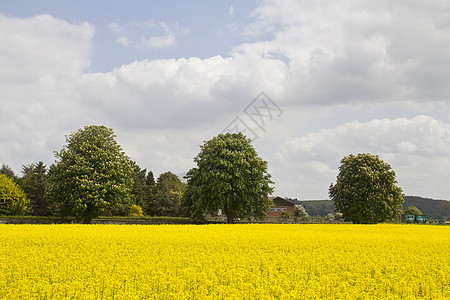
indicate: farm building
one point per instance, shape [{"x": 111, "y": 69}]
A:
[
  {"x": 281, "y": 205},
  {"x": 415, "y": 218}
]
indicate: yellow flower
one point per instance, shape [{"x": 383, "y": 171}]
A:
[{"x": 255, "y": 261}]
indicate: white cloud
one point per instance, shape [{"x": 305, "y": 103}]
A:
[
  {"x": 230, "y": 12},
  {"x": 159, "y": 41},
  {"x": 40, "y": 60},
  {"x": 123, "y": 40},
  {"x": 42, "y": 48},
  {"x": 116, "y": 28},
  {"x": 179, "y": 92},
  {"x": 406, "y": 147},
  {"x": 353, "y": 51},
  {"x": 147, "y": 34},
  {"x": 416, "y": 148},
  {"x": 317, "y": 60},
  {"x": 421, "y": 135}
]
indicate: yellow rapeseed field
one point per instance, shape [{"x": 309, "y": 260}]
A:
[{"x": 224, "y": 262}]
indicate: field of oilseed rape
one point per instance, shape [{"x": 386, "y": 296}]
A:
[{"x": 224, "y": 262}]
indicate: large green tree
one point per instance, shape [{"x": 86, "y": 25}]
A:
[
  {"x": 13, "y": 200},
  {"x": 229, "y": 177},
  {"x": 167, "y": 194},
  {"x": 366, "y": 191},
  {"x": 33, "y": 183},
  {"x": 92, "y": 175}
]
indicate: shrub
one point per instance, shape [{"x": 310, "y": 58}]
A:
[
  {"x": 338, "y": 217},
  {"x": 300, "y": 211},
  {"x": 12, "y": 198},
  {"x": 135, "y": 211},
  {"x": 285, "y": 214}
]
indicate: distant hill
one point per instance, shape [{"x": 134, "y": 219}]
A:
[
  {"x": 317, "y": 208},
  {"x": 434, "y": 209}
]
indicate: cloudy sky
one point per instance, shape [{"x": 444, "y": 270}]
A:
[{"x": 310, "y": 81}]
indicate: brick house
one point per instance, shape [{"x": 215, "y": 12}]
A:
[{"x": 281, "y": 205}]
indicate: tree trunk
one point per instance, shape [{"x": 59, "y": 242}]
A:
[
  {"x": 230, "y": 219},
  {"x": 228, "y": 211}
]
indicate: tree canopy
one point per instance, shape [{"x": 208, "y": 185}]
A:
[
  {"x": 366, "y": 190},
  {"x": 412, "y": 210},
  {"x": 300, "y": 211},
  {"x": 8, "y": 171},
  {"x": 140, "y": 189},
  {"x": 167, "y": 194},
  {"x": 13, "y": 200},
  {"x": 92, "y": 175},
  {"x": 33, "y": 183},
  {"x": 229, "y": 177}
]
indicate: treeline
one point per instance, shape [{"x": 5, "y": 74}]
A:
[
  {"x": 434, "y": 209},
  {"x": 160, "y": 197},
  {"x": 92, "y": 176}
]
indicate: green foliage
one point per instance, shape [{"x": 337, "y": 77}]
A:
[
  {"x": 135, "y": 211},
  {"x": 330, "y": 217},
  {"x": 33, "y": 183},
  {"x": 167, "y": 194},
  {"x": 433, "y": 209},
  {"x": 436, "y": 209},
  {"x": 339, "y": 216},
  {"x": 140, "y": 191},
  {"x": 13, "y": 200},
  {"x": 412, "y": 210},
  {"x": 318, "y": 208},
  {"x": 8, "y": 171},
  {"x": 285, "y": 215},
  {"x": 150, "y": 180},
  {"x": 92, "y": 175},
  {"x": 143, "y": 188},
  {"x": 230, "y": 177},
  {"x": 300, "y": 211},
  {"x": 150, "y": 190},
  {"x": 365, "y": 190}
]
